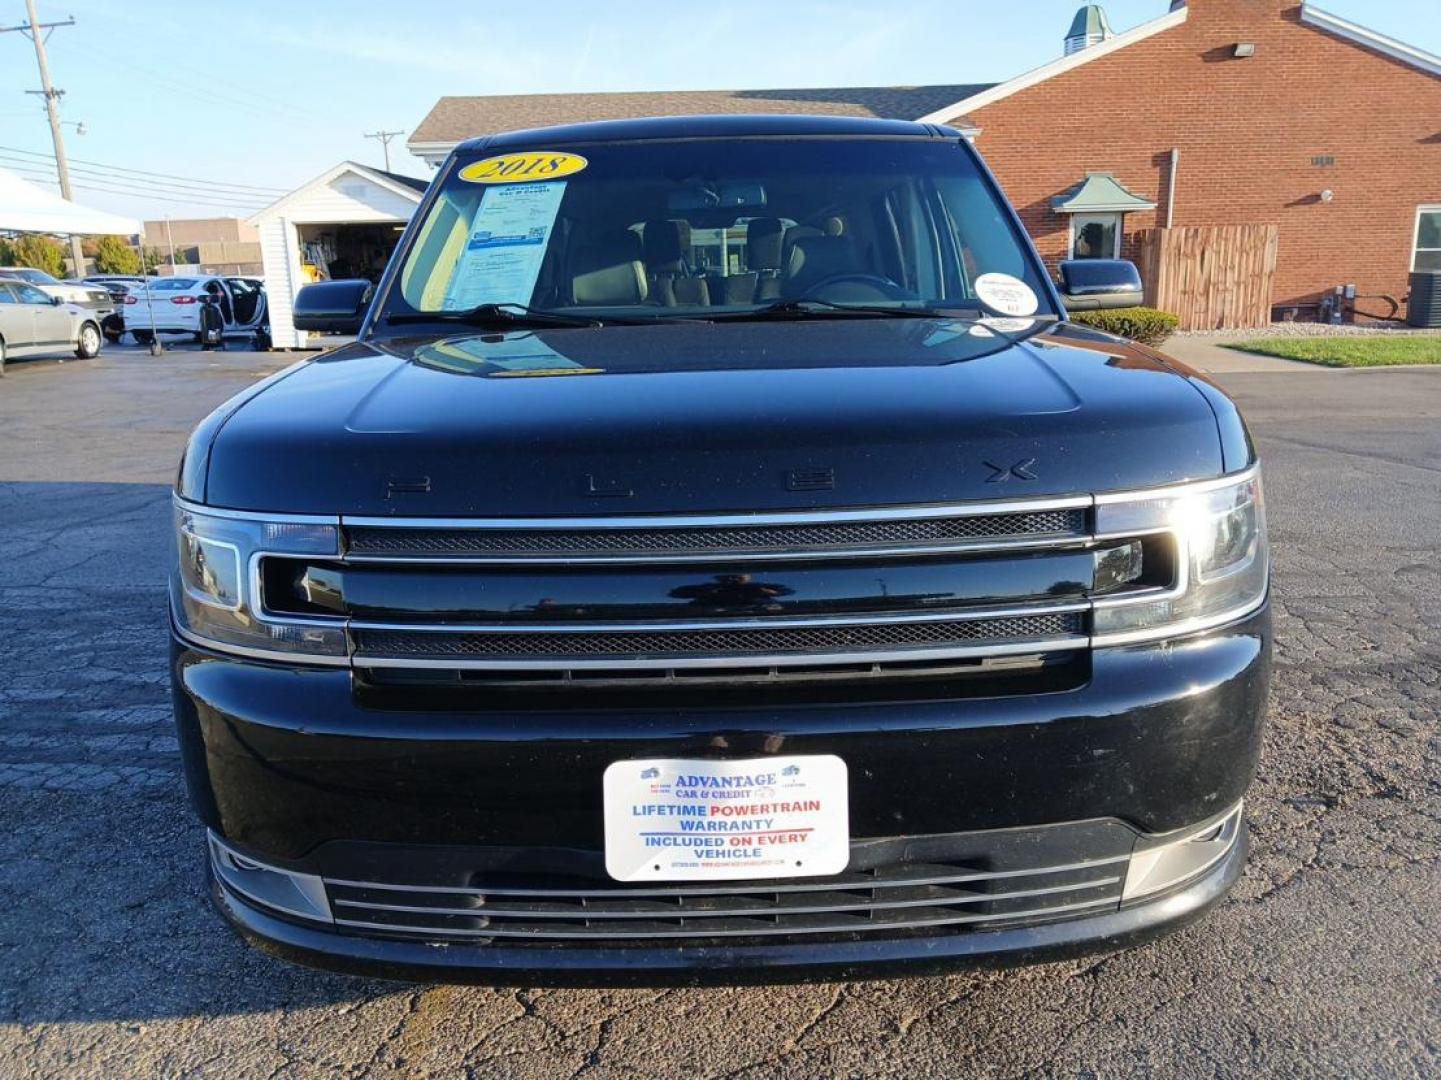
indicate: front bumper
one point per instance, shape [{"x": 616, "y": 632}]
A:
[
  {"x": 299, "y": 769},
  {"x": 678, "y": 965}
]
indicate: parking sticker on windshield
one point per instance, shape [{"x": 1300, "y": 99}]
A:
[
  {"x": 1006, "y": 295},
  {"x": 506, "y": 246},
  {"x": 523, "y": 167}
]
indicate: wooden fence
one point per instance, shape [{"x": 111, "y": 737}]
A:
[{"x": 1214, "y": 277}]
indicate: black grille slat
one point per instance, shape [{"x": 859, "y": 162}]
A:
[
  {"x": 562, "y": 645},
  {"x": 818, "y": 537}
]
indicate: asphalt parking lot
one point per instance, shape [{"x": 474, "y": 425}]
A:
[{"x": 1323, "y": 961}]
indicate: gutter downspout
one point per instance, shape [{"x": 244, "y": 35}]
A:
[{"x": 1171, "y": 186}]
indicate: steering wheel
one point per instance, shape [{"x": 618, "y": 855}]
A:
[{"x": 888, "y": 289}]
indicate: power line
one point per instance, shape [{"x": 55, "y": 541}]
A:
[
  {"x": 142, "y": 172},
  {"x": 85, "y": 183},
  {"x": 194, "y": 89},
  {"x": 32, "y": 28},
  {"x": 141, "y": 187},
  {"x": 384, "y": 137},
  {"x": 164, "y": 186},
  {"x": 173, "y": 200}
]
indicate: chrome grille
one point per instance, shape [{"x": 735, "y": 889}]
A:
[
  {"x": 818, "y": 537},
  {"x": 883, "y": 633},
  {"x": 847, "y": 638},
  {"x": 918, "y": 898}
]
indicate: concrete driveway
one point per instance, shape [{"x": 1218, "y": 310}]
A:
[{"x": 1323, "y": 961}]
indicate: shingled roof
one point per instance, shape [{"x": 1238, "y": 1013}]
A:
[{"x": 454, "y": 119}]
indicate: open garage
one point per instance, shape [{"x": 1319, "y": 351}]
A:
[{"x": 343, "y": 224}]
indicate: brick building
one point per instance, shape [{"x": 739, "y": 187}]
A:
[
  {"x": 1276, "y": 113},
  {"x": 1215, "y": 113}
]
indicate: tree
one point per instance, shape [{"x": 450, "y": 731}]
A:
[
  {"x": 152, "y": 258},
  {"x": 31, "y": 249},
  {"x": 114, "y": 256}
]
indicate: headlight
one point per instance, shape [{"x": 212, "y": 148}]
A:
[
  {"x": 214, "y": 592},
  {"x": 1222, "y": 567}
]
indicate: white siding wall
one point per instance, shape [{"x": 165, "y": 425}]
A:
[
  {"x": 281, "y": 280},
  {"x": 348, "y": 198}
]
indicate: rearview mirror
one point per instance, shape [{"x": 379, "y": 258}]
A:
[
  {"x": 335, "y": 307},
  {"x": 733, "y": 195},
  {"x": 1094, "y": 284},
  {"x": 55, "y": 301}
]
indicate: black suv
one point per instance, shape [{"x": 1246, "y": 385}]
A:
[{"x": 718, "y": 558}]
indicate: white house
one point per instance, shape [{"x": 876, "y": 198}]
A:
[{"x": 345, "y": 223}]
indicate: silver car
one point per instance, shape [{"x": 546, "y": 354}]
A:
[{"x": 33, "y": 324}]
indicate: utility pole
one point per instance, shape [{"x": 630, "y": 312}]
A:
[
  {"x": 37, "y": 32},
  {"x": 384, "y": 137}
]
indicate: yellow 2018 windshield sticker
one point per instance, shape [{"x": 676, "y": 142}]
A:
[{"x": 526, "y": 165}]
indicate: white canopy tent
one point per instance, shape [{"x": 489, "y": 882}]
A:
[{"x": 27, "y": 208}]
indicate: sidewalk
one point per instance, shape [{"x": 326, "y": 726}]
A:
[{"x": 1204, "y": 353}]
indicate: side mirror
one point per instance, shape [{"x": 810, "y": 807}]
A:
[
  {"x": 1094, "y": 284},
  {"x": 336, "y": 307},
  {"x": 55, "y": 301}
]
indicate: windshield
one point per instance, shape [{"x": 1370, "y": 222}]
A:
[
  {"x": 697, "y": 228},
  {"x": 35, "y": 277}
]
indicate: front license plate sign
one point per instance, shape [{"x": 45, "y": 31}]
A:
[{"x": 677, "y": 819}]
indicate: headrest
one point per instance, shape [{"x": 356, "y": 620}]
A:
[
  {"x": 814, "y": 258},
  {"x": 763, "y": 243},
  {"x": 665, "y": 243},
  {"x": 607, "y": 269}
]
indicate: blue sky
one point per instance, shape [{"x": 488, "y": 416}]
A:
[{"x": 265, "y": 94}]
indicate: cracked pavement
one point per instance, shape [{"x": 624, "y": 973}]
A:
[{"x": 1324, "y": 960}]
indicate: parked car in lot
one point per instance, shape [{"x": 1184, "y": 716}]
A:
[
  {"x": 171, "y": 305},
  {"x": 610, "y": 612},
  {"x": 34, "y": 324},
  {"x": 119, "y": 286},
  {"x": 79, "y": 293}
]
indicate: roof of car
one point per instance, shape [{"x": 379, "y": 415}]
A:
[{"x": 706, "y": 127}]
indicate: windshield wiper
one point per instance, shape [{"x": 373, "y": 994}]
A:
[
  {"x": 507, "y": 316},
  {"x": 810, "y": 307}
]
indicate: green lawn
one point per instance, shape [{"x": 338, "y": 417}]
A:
[{"x": 1349, "y": 351}]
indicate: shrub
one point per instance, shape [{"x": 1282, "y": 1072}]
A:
[
  {"x": 41, "y": 252},
  {"x": 114, "y": 256},
  {"x": 1143, "y": 324}
]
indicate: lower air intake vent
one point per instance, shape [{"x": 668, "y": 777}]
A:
[{"x": 888, "y": 900}]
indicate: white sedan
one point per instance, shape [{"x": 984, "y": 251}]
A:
[{"x": 171, "y": 305}]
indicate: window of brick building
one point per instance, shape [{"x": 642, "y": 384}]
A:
[
  {"x": 1096, "y": 236},
  {"x": 1426, "y": 253}
]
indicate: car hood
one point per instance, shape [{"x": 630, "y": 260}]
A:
[{"x": 694, "y": 416}]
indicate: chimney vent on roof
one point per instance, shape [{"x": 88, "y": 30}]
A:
[{"x": 1089, "y": 27}]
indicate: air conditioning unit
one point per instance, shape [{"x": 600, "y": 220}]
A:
[{"x": 1424, "y": 308}]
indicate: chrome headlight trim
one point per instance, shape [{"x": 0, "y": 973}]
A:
[
  {"x": 241, "y": 626},
  {"x": 1190, "y": 514}
]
